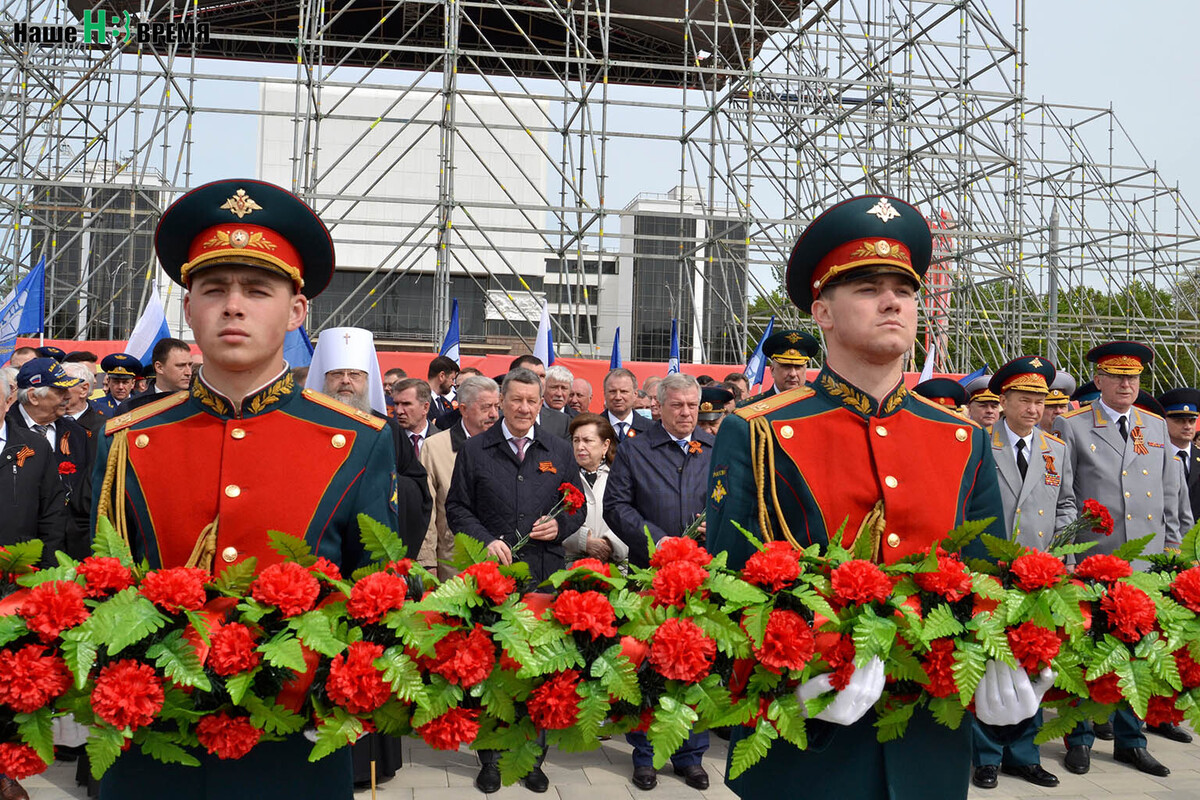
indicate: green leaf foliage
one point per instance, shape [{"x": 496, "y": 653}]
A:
[
  {"x": 814, "y": 602},
  {"x": 750, "y": 537},
  {"x": 335, "y": 732},
  {"x": 1002, "y": 549},
  {"x": 439, "y": 696},
  {"x": 12, "y": 628},
  {"x": 1133, "y": 548},
  {"x": 964, "y": 534},
  {"x": 20, "y": 556},
  {"x": 553, "y": 656},
  {"x": 617, "y": 675},
  {"x": 80, "y": 655},
  {"x": 235, "y": 580},
  {"x": 969, "y": 664},
  {"x": 785, "y": 712},
  {"x": 518, "y": 761},
  {"x": 497, "y": 693},
  {"x": 940, "y": 623},
  {"x": 392, "y": 718},
  {"x": 456, "y": 596},
  {"x": 873, "y": 636},
  {"x": 107, "y": 543},
  {"x": 1110, "y": 653},
  {"x": 291, "y": 548},
  {"x": 710, "y": 699},
  {"x": 237, "y": 685},
  {"x": 163, "y": 748},
  {"x": 893, "y": 722},
  {"x": 381, "y": 542},
  {"x": 749, "y": 750},
  {"x": 468, "y": 550},
  {"x": 178, "y": 660},
  {"x": 947, "y": 711},
  {"x": 735, "y": 591},
  {"x": 283, "y": 650},
  {"x": 35, "y": 731},
  {"x": 103, "y": 746},
  {"x": 317, "y": 630},
  {"x": 59, "y": 573},
  {"x": 402, "y": 673},
  {"x": 671, "y": 725},
  {"x": 274, "y": 718},
  {"x": 124, "y": 619}
]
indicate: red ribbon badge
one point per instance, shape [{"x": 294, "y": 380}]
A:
[{"x": 23, "y": 455}]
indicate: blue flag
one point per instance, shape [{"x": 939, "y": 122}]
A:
[
  {"x": 964, "y": 380},
  {"x": 757, "y": 364},
  {"x": 615, "y": 361},
  {"x": 673, "y": 361},
  {"x": 543, "y": 346},
  {"x": 449, "y": 347},
  {"x": 297, "y": 348},
  {"x": 24, "y": 310}
]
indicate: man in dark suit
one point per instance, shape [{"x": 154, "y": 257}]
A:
[
  {"x": 412, "y": 399},
  {"x": 442, "y": 372},
  {"x": 620, "y": 395},
  {"x": 505, "y": 480},
  {"x": 33, "y": 503},
  {"x": 78, "y": 407},
  {"x": 559, "y": 381},
  {"x": 659, "y": 482},
  {"x": 171, "y": 368},
  {"x": 1182, "y": 407}
]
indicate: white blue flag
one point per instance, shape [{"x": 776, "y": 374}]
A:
[
  {"x": 297, "y": 348},
  {"x": 758, "y": 362},
  {"x": 24, "y": 310},
  {"x": 543, "y": 348},
  {"x": 150, "y": 328},
  {"x": 673, "y": 361},
  {"x": 927, "y": 370},
  {"x": 449, "y": 347}
]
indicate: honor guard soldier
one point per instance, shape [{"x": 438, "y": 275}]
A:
[
  {"x": 788, "y": 353},
  {"x": 1035, "y": 486},
  {"x": 1058, "y": 400},
  {"x": 857, "y": 447},
  {"x": 183, "y": 479},
  {"x": 1182, "y": 406},
  {"x": 121, "y": 371},
  {"x": 983, "y": 406},
  {"x": 1119, "y": 456},
  {"x": 715, "y": 402},
  {"x": 943, "y": 391}
]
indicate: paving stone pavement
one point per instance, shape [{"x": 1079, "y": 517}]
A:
[{"x": 604, "y": 774}]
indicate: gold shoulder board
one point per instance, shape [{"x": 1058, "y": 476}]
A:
[
  {"x": 774, "y": 402},
  {"x": 1077, "y": 412},
  {"x": 149, "y": 410},
  {"x": 337, "y": 405}
]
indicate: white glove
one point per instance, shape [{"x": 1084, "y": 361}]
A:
[
  {"x": 67, "y": 732},
  {"x": 863, "y": 691},
  {"x": 310, "y": 733},
  {"x": 1006, "y": 695}
]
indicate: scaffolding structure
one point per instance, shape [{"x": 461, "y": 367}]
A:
[{"x": 1052, "y": 230}]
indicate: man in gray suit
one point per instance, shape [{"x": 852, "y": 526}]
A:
[
  {"x": 1036, "y": 489},
  {"x": 1120, "y": 456}
]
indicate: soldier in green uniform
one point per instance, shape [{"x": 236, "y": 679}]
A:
[
  {"x": 858, "y": 447},
  {"x": 183, "y": 478},
  {"x": 788, "y": 353}
]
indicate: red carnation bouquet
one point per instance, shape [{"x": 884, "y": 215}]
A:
[{"x": 570, "y": 500}]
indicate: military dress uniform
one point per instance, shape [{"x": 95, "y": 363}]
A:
[
  {"x": 121, "y": 365},
  {"x": 1185, "y": 403},
  {"x": 792, "y": 347}
]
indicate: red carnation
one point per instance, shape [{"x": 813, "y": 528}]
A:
[
  {"x": 682, "y": 651},
  {"x": 287, "y": 586},
  {"x": 324, "y": 566},
  {"x": 375, "y": 595},
  {"x": 128, "y": 693},
  {"x": 20, "y": 761},
  {"x": 1186, "y": 588},
  {"x": 939, "y": 666},
  {"x": 774, "y": 567},
  {"x": 354, "y": 683},
  {"x": 1131, "y": 612},
  {"x": 1189, "y": 668},
  {"x": 227, "y": 736},
  {"x": 595, "y": 565},
  {"x": 950, "y": 580},
  {"x": 489, "y": 582},
  {"x": 1106, "y": 689},
  {"x": 860, "y": 582},
  {"x": 675, "y": 581},
  {"x": 555, "y": 704},
  {"x": 52, "y": 607},
  {"x": 1097, "y": 513},
  {"x": 1162, "y": 711},
  {"x": 464, "y": 658},
  {"x": 66, "y": 468},
  {"x": 31, "y": 679},
  {"x": 456, "y": 727},
  {"x": 589, "y": 612},
  {"x": 401, "y": 567},
  {"x": 1033, "y": 646},
  {"x": 679, "y": 548},
  {"x": 1037, "y": 570},
  {"x": 1105, "y": 568},
  {"x": 176, "y": 589},
  {"x": 103, "y": 575},
  {"x": 233, "y": 650},
  {"x": 840, "y": 658},
  {"x": 572, "y": 498},
  {"x": 788, "y": 642}
]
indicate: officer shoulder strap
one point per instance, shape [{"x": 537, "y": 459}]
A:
[
  {"x": 1077, "y": 412},
  {"x": 123, "y": 421},
  {"x": 337, "y": 405},
  {"x": 774, "y": 402}
]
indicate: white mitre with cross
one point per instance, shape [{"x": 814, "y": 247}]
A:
[{"x": 347, "y": 348}]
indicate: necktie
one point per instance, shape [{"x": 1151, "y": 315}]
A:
[
  {"x": 1183, "y": 456},
  {"x": 1022, "y": 462},
  {"x": 519, "y": 443},
  {"x": 416, "y": 440},
  {"x": 1123, "y": 427},
  {"x": 683, "y": 444},
  {"x": 42, "y": 430},
  {"x": 621, "y": 426}
]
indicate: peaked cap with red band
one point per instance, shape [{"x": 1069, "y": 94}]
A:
[
  {"x": 248, "y": 223},
  {"x": 943, "y": 391},
  {"x": 1121, "y": 358},
  {"x": 1024, "y": 374},
  {"x": 874, "y": 233}
]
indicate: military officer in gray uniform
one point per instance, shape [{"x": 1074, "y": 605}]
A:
[
  {"x": 983, "y": 406},
  {"x": 1119, "y": 455},
  {"x": 1035, "y": 487}
]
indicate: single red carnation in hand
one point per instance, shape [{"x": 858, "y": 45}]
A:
[
  {"x": 939, "y": 666},
  {"x": 573, "y": 499},
  {"x": 176, "y": 589},
  {"x": 1106, "y": 689},
  {"x": 1097, "y": 513},
  {"x": 233, "y": 650},
  {"x": 1186, "y": 588},
  {"x": 127, "y": 693},
  {"x": 104, "y": 575},
  {"x": 324, "y": 566},
  {"x": 1105, "y": 568},
  {"x": 774, "y": 567},
  {"x": 788, "y": 642},
  {"x": 594, "y": 564},
  {"x": 951, "y": 579},
  {"x": 31, "y": 678},
  {"x": 375, "y": 595},
  {"x": 681, "y": 651},
  {"x": 52, "y": 607},
  {"x": 1033, "y": 646},
  {"x": 675, "y": 581},
  {"x": 555, "y": 704},
  {"x": 489, "y": 582},
  {"x": 589, "y": 612},
  {"x": 20, "y": 761},
  {"x": 456, "y": 727},
  {"x": 1037, "y": 570},
  {"x": 1131, "y": 612},
  {"x": 354, "y": 683},
  {"x": 840, "y": 658},
  {"x": 860, "y": 582},
  {"x": 679, "y": 548},
  {"x": 227, "y": 736},
  {"x": 464, "y": 658},
  {"x": 288, "y": 586},
  {"x": 1162, "y": 711}
]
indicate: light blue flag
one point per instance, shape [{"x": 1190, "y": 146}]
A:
[
  {"x": 297, "y": 348},
  {"x": 615, "y": 361},
  {"x": 450, "y": 343},
  {"x": 543, "y": 346},
  {"x": 964, "y": 380},
  {"x": 673, "y": 361},
  {"x": 150, "y": 328},
  {"x": 758, "y": 362},
  {"x": 24, "y": 310}
]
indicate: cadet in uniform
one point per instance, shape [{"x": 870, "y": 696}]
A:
[
  {"x": 858, "y": 448},
  {"x": 983, "y": 406},
  {"x": 1182, "y": 407},
  {"x": 788, "y": 353},
  {"x": 182, "y": 478},
  {"x": 121, "y": 371},
  {"x": 1058, "y": 400},
  {"x": 1119, "y": 456},
  {"x": 1035, "y": 486}
]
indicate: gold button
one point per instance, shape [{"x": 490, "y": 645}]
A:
[
  {"x": 1018, "y": 511},
  {"x": 1123, "y": 472},
  {"x": 786, "y": 431},
  {"x": 1127, "y": 494},
  {"x": 338, "y": 441},
  {"x": 1149, "y": 495},
  {"x": 891, "y": 482},
  {"x": 238, "y": 433},
  {"x": 1040, "y": 534},
  {"x": 1129, "y": 516},
  {"x": 142, "y": 440},
  {"x": 1145, "y": 472},
  {"x": 229, "y": 554},
  {"x": 961, "y": 434},
  {"x": 1150, "y": 516},
  {"x": 893, "y": 540},
  {"x": 1041, "y": 512},
  {"x": 233, "y": 490},
  {"x": 882, "y": 431}
]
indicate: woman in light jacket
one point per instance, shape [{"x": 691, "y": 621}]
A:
[{"x": 594, "y": 443}]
